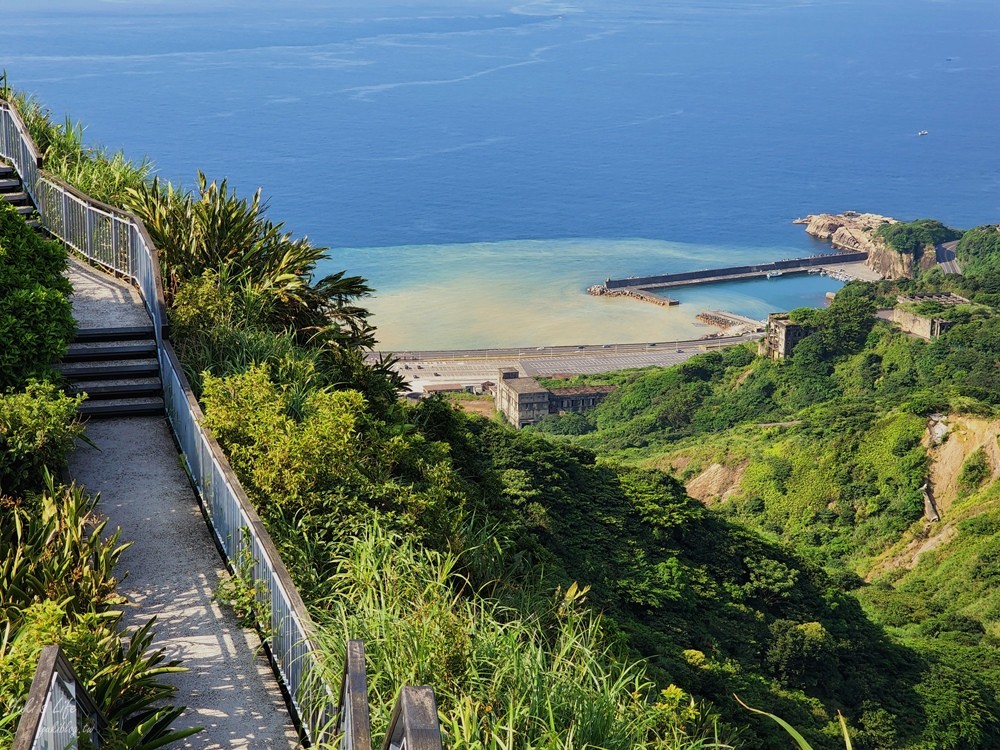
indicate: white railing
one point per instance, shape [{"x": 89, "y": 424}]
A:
[
  {"x": 107, "y": 236},
  {"x": 117, "y": 241}
]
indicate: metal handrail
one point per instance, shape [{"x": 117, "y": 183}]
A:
[
  {"x": 20, "y": 150},
  {"x": 117, "y": 240},
  {"x": 59, "y": 710},
  {"x": 242, "y": 537}
]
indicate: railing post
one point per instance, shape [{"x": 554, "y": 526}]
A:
[
  {"x": 353, "y": 717},
  {"x": 414, "y": 723},
  {"x": 89, "y": 220},
  {"x": 113, "y": 223},
  {"x": 65, "y": 216},
  {"x": 59, "y": 710}
]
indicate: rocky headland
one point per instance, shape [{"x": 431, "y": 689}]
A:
[{"x": 853, "y": 231}]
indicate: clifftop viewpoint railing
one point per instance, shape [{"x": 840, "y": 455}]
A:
[
  {"x": 117, "y": 241},
  {"x": 109, "y": 237}
]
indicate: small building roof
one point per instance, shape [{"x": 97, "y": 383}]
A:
[
  {"x": 444, "y": 388},
  {"x": 524, "y": 385}
]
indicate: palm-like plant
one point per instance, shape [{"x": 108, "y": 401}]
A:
[
  {"x": 215, "y": 230},
  {"x": 57, "y": 585}
]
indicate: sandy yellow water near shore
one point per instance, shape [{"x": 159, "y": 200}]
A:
[{"x": 533, "y": 292}]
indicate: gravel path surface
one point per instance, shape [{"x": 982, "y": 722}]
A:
[
  {"x": 101, "y": 301},
  {"x": 173, "y": 566}
]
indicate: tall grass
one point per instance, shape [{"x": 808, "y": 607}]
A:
[
  {"x": 503, "y": 679},
  {"x": 101, "y": 174}
]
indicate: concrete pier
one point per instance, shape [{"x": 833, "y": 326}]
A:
[
  {"x": 634, "y": 292},
  {"x": 732, "y": 273}
]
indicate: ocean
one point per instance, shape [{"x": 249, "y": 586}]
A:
[{"x": 482, "y": 162}]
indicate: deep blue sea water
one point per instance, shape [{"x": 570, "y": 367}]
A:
[{"x": 482, "y": 162}]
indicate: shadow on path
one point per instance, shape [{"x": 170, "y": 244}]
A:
[{"x": 170, "y": 572}]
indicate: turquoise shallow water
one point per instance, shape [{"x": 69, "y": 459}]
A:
[{"x": 527, "y": 293}]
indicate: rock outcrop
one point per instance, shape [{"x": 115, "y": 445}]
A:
[
  {"x": 847, "y": 231},
  {"x": 890, "y": 264},
  {"x": 853, "y": 232}
]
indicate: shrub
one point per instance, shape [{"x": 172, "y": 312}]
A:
[
  {"x": 57, "y": 586},
  {"x": 36, "y": 321},
  {"x": 975, "y": 470},
  {"x": 38, "y": 429},
  {"x": 550, "y": 679}
]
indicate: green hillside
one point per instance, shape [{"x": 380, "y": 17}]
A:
[{"x": 830, "y": 454}]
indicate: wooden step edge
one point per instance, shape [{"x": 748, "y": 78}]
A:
[
  {"x": 110, "y": 352},
  {"x": 115, "y": 390},
  {"x": 123, "y": 333},
  {"x": 72, "y": 371},
  {"x": 122, "y": 407}
]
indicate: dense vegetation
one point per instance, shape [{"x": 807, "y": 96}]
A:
[
  {"x": 827, "y": 452},
  {"x": 36, "y": 322},
  {"x": 916, "y": 237},
  {"x": 979, "y": 253},
  {"x": 570, "y": 592},
  {"x": 57, "y": 556}
]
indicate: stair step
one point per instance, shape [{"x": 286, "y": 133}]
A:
[
  {"x": 92, "y": 351},
  {"x": 128, "y": 333},
  {"x": 25, "y": 210},
  {"x": 6, "y": 169},
  {"x": 108, "y": 389},
  {"x": 21, "y": 197},
  {"x": 7, "y": 182},
  {"x": 120, "y": 369},
  {"x": 122, "y": 407}
]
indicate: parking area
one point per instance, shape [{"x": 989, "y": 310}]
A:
[{"x": 472, "y": 369}]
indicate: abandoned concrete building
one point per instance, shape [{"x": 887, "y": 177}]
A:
[
  {"x": 523, "y": 401},
  {"x": 926, "y": 327},
  {"x": 922, "y": 326},
  {"x": 781, "y": 337}
]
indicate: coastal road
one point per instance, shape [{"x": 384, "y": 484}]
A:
[
  {"x": 946, "y": 257},
  {"x": 472, "y": 367}
]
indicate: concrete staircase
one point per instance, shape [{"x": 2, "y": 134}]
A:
[
  {"x": 12, "y": 191},
  {"x": 117, "y": 369}
]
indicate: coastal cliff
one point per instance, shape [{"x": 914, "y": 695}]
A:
[{"x": 853, "y": 231}]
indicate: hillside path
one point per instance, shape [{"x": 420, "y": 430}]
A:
[{"x": 173, "y": 567}]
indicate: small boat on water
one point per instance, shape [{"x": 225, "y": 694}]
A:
[
  {"x": 921, "y": 132},
  {"x": 772, "y": 274}
]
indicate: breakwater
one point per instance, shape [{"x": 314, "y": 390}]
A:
[
  {"x": 708, "y": 275},
  {"x": 635, "y": 292},
  {"x": 725, "y": 319}
]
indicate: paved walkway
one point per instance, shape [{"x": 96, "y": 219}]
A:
[{"x": 173, "y": 567}]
